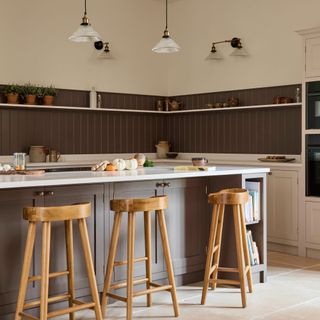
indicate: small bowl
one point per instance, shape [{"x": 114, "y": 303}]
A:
[
  {"x": 172, "y": 155},
  {"x": 199, "y": 162}
]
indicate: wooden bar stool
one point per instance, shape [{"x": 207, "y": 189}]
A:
[
  {"x": 132, "y": 206},
  {"x": 235, "y": 198},
  {"x": 47, "y": 215}
]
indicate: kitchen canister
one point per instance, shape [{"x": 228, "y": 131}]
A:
[{"x": 162, "y": 149}]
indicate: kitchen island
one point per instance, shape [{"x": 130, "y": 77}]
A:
[{"x": 188, "y": 220}]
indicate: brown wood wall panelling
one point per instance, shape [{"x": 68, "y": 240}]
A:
[
  {"x": 271, "y": 131},
  {"x": 241, "y": 131},
  {"x": 79, "y": 132}
]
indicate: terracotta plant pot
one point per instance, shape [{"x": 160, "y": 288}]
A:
[
  {"x": 12, "y": 98},
  {"x": 30, "y": 99},
  {"x": 48, "y": 100}
]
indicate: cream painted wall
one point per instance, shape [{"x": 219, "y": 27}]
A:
[
  {"x": 34, "y": 45},
  {"x": 267, "y": 28}
]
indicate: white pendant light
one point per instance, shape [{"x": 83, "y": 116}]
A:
[
  {"x": 85, "y": 33},
  {"x": 166, "y": 44}
]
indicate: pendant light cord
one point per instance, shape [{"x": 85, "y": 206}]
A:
[
  {"x": 85, "y": 7},
  {"x": 166, "y": 14}
]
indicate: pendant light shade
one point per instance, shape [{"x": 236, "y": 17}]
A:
[
  {"x": 166, "y": 44},
  {"x": 85, "y": 32}
]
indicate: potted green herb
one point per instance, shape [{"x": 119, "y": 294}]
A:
[
  {"x": 30, "y": 92},
  {"x": 48, "y": 95},
  {"x": 12, "y": 92}
]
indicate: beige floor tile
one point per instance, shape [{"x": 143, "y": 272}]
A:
[{"x": 291, "y": 293}]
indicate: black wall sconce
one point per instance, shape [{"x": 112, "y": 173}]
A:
[{"x": 234, "y": 42}]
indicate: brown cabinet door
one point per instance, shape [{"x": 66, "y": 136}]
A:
[
  {"x": 126, "y": 190},
  {"x": 188, "y": 222},
  {"x": 60, "y": 196},
  {"x": 13, "y": 232}
]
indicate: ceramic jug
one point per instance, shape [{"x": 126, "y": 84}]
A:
[
  {"x": 162, "y": 149},
  {"x": 38, "y": 153}
]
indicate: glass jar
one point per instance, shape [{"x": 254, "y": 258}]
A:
[{"x": 19, "y": 161}]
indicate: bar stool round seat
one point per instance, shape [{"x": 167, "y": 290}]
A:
[
  {"x": 46, "y": 216},
  {"x": 236, "y": 198},
  {"x": 132, "y": 207}
]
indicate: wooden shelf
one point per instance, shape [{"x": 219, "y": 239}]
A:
[{"x": 42, "y": 107}]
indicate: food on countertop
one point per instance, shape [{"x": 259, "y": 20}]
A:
[
  {"x": 141, "y": 158},
  {"x": 148, "y": 163},
  {"x": 101, "y": 166},
  {"x": 111, "y": 167},
  {"x": 120, "y": 164},
  {"x": 6, "y": 167},
  {"x": 131, "y": 164}
]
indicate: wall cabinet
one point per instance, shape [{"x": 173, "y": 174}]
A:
[
  {"x": 312, "y": 63},
  {"x": 282, "y": 204}
]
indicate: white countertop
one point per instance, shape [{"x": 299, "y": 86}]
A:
[{"x": 89, "y": 177}]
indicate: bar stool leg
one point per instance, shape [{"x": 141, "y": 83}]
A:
[
  {"x": 167, "y": 256},
  {"x": 130, "y": 259},
  {"x": 45, "y": 261},
  {"x": 26, "y": 268},
  {"x": 70, "y": 263},
  {"x": 240, "y": 253},
  {"x": 88, "y": 259},
  {"x": 216, "y": 257},
  {"x": 246, "y": 250},
  {"x": 210, "y": 253},
  {"x": 111, "y": 258},
  {"x": 147, "y": 236}
]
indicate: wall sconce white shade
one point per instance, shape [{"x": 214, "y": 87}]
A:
[
  {"x": 166, "y": 45},
  {"x": 214, "y": 56},
  {"x": 239, "y": 52},
  {"x": 85, "y": 33}
]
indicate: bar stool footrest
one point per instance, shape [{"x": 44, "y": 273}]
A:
[
  {"x": 51, "y": 275},
  {"x": 28, "y": 316},
  {"x": 123, "y": 284},
  {"x": 54, "y": 299},
  {"x": 71, "y": 309},
  {"x": 156, "y": 288},
  {"x": 225, "y": 281}
]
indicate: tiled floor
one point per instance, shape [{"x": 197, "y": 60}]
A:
[{"x": 292, "y": 292}]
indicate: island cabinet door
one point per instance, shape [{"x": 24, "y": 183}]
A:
[
  {"x": 13, "y": 234},
  {"x": 60, "y": 196},
  {"x": 128, "y": 190},
  {"x": 188, "y": 222}
]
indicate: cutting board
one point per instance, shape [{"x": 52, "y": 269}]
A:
[
  {"x": 194, "y": 168},
  {"x": 23, "y": 172}
]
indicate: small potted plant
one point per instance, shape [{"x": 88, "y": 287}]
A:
[
  {"x": 12, "y": 92},
  {"x": 48, "y": 95},
  {"x": 30, "y": 92}
]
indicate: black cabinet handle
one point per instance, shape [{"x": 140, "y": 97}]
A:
[{"x": 162, "y": 184}]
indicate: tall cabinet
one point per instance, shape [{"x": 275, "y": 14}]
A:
[{"x": 310, "y": 221}]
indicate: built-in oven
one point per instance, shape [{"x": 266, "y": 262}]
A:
[
  {"x": 313, "y": 105},
  {"x": 313, "y": 165}
]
